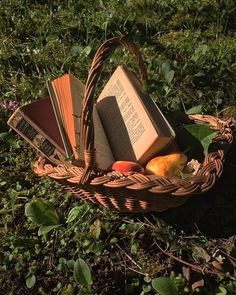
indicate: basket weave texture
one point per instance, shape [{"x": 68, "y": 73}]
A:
[{"x": 133, "y": 192}]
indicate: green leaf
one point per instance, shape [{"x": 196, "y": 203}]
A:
[
  {"x": 30, "y": 281},
  {"x": 195, "y": 140},
  {"x": 167, "y": 89},
  {"x": 113, "y": 240},
  {"x": 76, "y": 50},
  {"x": 4, "y": 135},
  {"x": 52, "y": 37},
  {"x": 165, "y": 67},
  {"x": 7, "y": 137},
  {"x": 96, "y": 248},
  {"x": 146, "y": 289},
  {"x": 199, "y": 74},
  {"x": 82, "y": 273},
  {"x": 202, "y": 133},
  {"x": 195, "y": 110},
  {"x": 169, "y": 76},
  {"x": 96, "y": 229},
  {"x": 70, "y": 263},
  {"x": 134, "y": 247},
  {"x": 165, "y": 286},
  {"x": 42, "y": 213},
  {"x": 73, "y": 214},
  {"x": 200, "y": 51},
  {"x": 147, "y": 279},
  {"x": 62, "y": 261},
  {"x": 44, "y": 229},
  {"x": 87, "y": 50},
  {"x": 166, "y": 71},
  {"x": 222, "y": 291}
]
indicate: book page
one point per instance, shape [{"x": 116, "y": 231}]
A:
[
  {"x": 77, "y": 93},
  {"x": 104, "y": 156},
  {"x": 57, "y": 111},
  {"x": 61, "y": 87},
  {"x": 128, "y": 126},
  {"x": 68, "y": 92},
  {"x": 159, "y": 121}
]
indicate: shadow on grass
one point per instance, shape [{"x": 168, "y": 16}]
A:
[{"x": 213, "y": 213}]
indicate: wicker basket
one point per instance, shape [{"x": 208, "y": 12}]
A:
[{"x": 133, "y": 192}]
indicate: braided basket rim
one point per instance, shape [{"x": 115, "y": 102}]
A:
[
  {"x": 209, "y": 172},
  {"x": 89, "y": 175}
]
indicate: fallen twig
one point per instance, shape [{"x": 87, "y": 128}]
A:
[{"x": 195, "y": 267}]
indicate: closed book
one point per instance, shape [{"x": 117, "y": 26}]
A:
[{"x": 36, "y": 123}]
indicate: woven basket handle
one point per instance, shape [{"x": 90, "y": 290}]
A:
[{"x": 103, "y": 53}]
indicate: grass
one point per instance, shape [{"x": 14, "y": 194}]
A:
[{"x": 192, "y": 246}]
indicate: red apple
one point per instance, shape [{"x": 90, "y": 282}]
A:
[{"x": 127, "y": 166}]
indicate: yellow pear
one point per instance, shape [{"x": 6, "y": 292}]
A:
[{"x": 168, "y": 165}]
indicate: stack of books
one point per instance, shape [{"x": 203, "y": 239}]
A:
[{"x": 128, "y": 125}]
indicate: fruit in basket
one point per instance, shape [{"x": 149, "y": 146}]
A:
[
  {"x": 127, "y": 166},
  {"x": 170, "y": 165}
]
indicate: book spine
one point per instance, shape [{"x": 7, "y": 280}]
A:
[{"x": 36, "y": 138}]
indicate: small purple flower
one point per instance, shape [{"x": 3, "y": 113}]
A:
[{"x": 9, "y": 105}]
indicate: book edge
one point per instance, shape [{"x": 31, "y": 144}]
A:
[{"x": 39, "y": 130}]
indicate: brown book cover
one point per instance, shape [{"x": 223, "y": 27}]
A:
[
  {"x": 135, "y": 127},
  {"x": 37, "y": 124}
]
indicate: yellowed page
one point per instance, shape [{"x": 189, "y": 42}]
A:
[
  {"x": 104, "y": 156},
  {"x": 128, "y": 126},
  {"x": 77, "y": 95},
  {"x": 69, "y": 91},
  {"x": 57, "y": 111}
]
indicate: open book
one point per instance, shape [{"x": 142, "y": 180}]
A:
[
  {"x": 135, "y": 127},
  {"x": 51, "y": 125},
  {"x": 66, "y": 94},
  {"x": 127, "y": 123}
]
